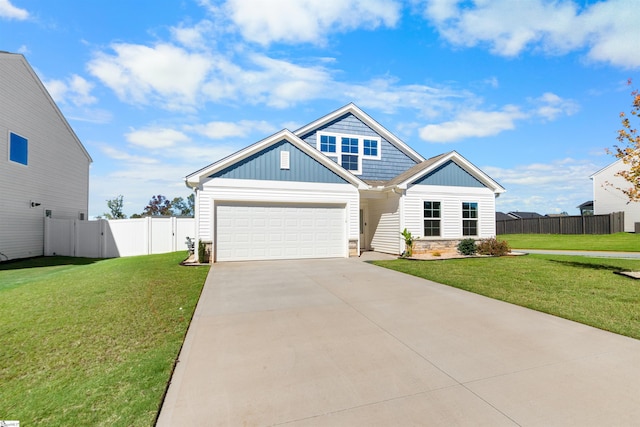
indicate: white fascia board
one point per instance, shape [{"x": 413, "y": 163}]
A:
[
  {"x": 465, "y": 164},
  {"x": 196, "y": 178},
  {"x": 369, "y": 121},
  {"x": 606, "y": 168}
]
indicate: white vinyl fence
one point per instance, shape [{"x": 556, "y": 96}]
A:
[{"x": 116, "y": 238}]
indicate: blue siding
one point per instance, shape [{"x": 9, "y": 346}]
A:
[
  {"x": 265, "y": 165},
  {"x": 393, "y": 161},
  {"x": 450, "y": 174}
]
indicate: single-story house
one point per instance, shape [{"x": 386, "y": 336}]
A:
[
  {"x": 338, "y": 186},
  {"x": 607, "y": 198},
  {"x": 44, "y": 168}
]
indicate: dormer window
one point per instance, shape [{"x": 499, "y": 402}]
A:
[{"x": 349, "y": 150}]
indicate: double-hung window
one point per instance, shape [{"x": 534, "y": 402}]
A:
[
  {"x": 431, "y": 218},
  {"x": 349, "y": 150},
  {"x": 469, "y": 219},
  {"x": 18, "y": 149}
]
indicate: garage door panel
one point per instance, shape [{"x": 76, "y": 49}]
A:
[{"x": 247, "y": 232}]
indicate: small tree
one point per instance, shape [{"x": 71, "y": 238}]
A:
[
  {"x": 408, "y": 243},
  {"x": 115, "y": 206},
  {"x": 158, "y": 206},
  {"x": 629, "y": 152},
  {"x": 182, "y": 207}
]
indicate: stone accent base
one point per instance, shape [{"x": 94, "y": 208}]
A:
[
  {"x": 353, "y": 247},
  {"x": 208, "y": 252},
  {"x": 425, "y": 247}
]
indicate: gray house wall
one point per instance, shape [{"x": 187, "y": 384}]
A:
[{"x": 56, "y": 177}]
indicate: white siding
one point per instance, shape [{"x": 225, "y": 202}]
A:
[
  {"x": 244, "y": 190},
  {"x": 57, "y": 174},
  {"x": 384, "y": 223},
  {"x": 451, "y": 199},
  {"x": 608, "y": 199}
]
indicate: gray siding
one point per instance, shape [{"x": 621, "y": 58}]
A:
[
  {"x": 57, "y": 174},
  {"x": 450, "y": 174},
  {"x": 265, "y": 165},
  {"x": 393, "y": 161}
]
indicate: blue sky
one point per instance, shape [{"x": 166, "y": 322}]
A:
[{"x": 529, "y": 91}]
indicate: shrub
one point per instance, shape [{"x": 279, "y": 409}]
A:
[
  {"x": 408, "y": 242},
  {"x": 467, "y": 247},
  {"x": 493, "y": 247}
]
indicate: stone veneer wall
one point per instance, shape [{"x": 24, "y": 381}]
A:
[
  {"x": 421, "y": 247},
  {"x": 353, "y": 247}
]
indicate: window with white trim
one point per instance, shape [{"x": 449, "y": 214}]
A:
[
  {"x": 469, "y": 218},
  {"x": 349, "y": 150},
  {"x": 431, "y": 213}
]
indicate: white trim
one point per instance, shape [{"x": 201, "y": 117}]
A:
[{"x": 338, "y": 153}]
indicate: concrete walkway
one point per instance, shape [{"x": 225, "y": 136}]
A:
[{"x": 344, "y": 343}]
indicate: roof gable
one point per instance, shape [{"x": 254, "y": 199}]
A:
[
  {"x": 446, "y": 169},
  {"x": 7, "y": 56},
  {"x": 265, "y": 165},
  {"x": 365, "y": 119},
  {"x": 236, "y": 164},
  {"x": 451, "y": 174}
]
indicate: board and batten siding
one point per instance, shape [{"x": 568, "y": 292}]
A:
[
  {"x": 451, "y": 199},
  {"x": 57, "y": 173},
  {"x": 384, "y": 222},
  {"x": 393, "y": 161},
  {"x": 254, "y": 191}
]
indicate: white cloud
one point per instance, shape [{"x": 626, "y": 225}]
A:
[
  {"x": 156, "y": 138},
  {"x": 473, "y": 124},
  {"x": 608, "y": 30},
  {"x": 162, "y": 73},
  {"x": 221, "y": 130},
  {"x": 196, "y": 36},
  {"x": 307, "y": 21},
  {"x": 116, "y": 154},
  {"x": 75, "y": 90},
  {"x": 9, "y": 11},
  {"x": 553, "y": 187},
  {"x": 550, "y": 106}
]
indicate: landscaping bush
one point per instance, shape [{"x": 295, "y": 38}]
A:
[
  {"x": 467, "y": 247},
  {"x": 493, "y": 247}
]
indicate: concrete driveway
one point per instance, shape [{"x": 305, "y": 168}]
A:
[{"x": 343, "y": 343}]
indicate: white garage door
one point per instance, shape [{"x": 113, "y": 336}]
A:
[{"x": 260, "y": 232}]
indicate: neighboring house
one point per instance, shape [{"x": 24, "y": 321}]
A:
[
  {"x": 335, "y": 187},
  {"x": 586, "y": 208},
  {"x": 44, "y": 169},
  {"x": 608, "y": 199},
  {"x": 501, "y": 216},
  {"x": 523, "y": 215}
]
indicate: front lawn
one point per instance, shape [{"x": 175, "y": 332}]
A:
[
  {"x": 624, "y": 242},
  {"x": 577, "y": 288},
  {"x": 92, "y": 342}
]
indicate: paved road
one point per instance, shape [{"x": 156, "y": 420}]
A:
[{"x": 344, "y": 343}]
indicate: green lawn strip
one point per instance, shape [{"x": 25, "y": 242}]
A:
[
  {"x": 577, "y": 288},
  {"x": 623, "y": 242},
  {"x": 92, "y": 343}
]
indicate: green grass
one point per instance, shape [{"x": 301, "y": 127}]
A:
[
  {"x": 624, "y": 242},
  {"x": 577, "y": 288},
  {"x": 92, "y": 342}
]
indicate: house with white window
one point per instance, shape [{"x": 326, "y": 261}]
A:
[
  {"x": 338, "y": 186},
  {"x": 44, "y": 168}
]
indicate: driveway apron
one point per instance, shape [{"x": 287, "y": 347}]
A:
[{"x": 340, "y": 342}]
